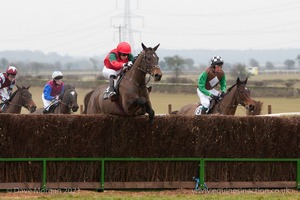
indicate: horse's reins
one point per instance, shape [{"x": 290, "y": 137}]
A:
[{"x": 68, "y": 104}]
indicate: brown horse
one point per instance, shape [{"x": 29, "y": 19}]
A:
[
  {"x": 133, "y": 95},
  {"x": 236, "y": 94},
  {"x": 66, "y": 104},
  {"x": 20, "y": 98}
]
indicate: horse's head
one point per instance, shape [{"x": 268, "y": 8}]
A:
[
  {"x": 70, "y": 98},
  {"x": 150, "y": 62},
  {"x": 23, "y": 97},
  {"x": 244, "y": 95}
]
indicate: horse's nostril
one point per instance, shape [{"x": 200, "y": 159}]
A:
[{"x": 157, "y": 76}]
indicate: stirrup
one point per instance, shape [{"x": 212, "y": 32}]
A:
[
  {"x": 105, "y": 95},
  {"x": 198, "y": 110},
  {"x": 112, "y": 96}
]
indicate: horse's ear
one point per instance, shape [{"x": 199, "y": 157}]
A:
[
  {"x": 246, "y": 80},
  {"x": 238, "y": 80},
  {"x": 18, "y": 87},
  {"x": 144, "y": 47},
  {"x": 155, "y": 48}
]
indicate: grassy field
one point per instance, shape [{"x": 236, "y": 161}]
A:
[
  {"x": 160, "y": 102},
  {"x": 285, "y": 194}
]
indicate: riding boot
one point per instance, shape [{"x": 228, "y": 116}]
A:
[
  {"x": 203, "y": 111},
  {"x": 112, "y": 94}
]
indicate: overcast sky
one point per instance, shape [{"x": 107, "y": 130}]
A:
[{"x": 90, "y": 27}]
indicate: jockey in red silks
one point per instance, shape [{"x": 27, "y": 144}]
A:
[
  {"x": 115, "y": 61},
  {"x": 7, "y": 83}
]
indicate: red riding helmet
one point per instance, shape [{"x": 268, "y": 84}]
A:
[
  {"x": 11, "y": 70},
  {"x": 124, "y": 48}
]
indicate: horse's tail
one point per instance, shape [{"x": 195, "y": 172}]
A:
[{"x": 86, "y": 101}]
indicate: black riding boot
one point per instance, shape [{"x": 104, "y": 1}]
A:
[
  {"x": 203, "y": 111},
  {"x": 112, "y": 94}
]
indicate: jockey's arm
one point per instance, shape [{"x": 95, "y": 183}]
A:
[
  {"x": 223, "y": 84},
  {"x": 47, "y": 92},
  {"x": 114, "y": 62},
  {"x": 131, "y": 57},
  {"x": 201, "y": 83}
]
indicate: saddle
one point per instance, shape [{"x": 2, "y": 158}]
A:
[
  {"x": 199, "y": 107},
  {"x": 51, "y": 107}
]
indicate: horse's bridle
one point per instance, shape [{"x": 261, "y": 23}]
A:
[
  {"x": 16, "y": 104},
  {"x": 68, "y": 103},
  {"x": 147, "y": 71},
  {"x": 238, "y": 92}
]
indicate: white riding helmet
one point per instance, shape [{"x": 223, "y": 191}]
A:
[{"x": 57, "y": 75}]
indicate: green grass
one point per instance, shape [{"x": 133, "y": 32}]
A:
[{"x": 284, "y": 194}]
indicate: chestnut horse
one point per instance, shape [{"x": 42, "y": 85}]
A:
[
  {"x": 133, "y": 95},
  {"x": 20, "y": 98},
  {"x": 236, "y": 94},
  {"x": 66, "y": 104}
]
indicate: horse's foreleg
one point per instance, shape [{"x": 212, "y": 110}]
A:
[
  {"x": 150, "y": 111},
  {"x": 146, "y": 104}
]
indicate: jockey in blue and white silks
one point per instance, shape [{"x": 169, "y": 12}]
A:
[{"x": 53, "y": 89}]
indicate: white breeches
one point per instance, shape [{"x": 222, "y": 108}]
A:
[
  {"x": 4, "y": 93},
  {"x": 45, "y": 101},
  {"x": 108, "y": 72},
  {"x": 204, "y": 99}
]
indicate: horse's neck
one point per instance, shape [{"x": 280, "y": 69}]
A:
[
  {"x": 228, "y": 105},
  {"x": 63, "y": 107},
  {"x": 14, "y": 106},
  {"x": 136, "y": 75}
]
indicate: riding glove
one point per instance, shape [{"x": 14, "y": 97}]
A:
[
  {"x": 215, "y": 97},
  {"x": 222, "y": 94},
  {"x": 128, "y": 64}
]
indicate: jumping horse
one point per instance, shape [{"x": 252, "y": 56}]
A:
[
  {"x": 133, "y": 95},
  {"x": 236, "y": 94},
  {"x": 20, "y": 98},
  {"x": 67, "y": 103}
]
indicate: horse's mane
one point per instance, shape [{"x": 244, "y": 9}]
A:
[
  {"x": 229, "y": 89},
  {"x": 136, "y": 57},
  {"x": 15, "y": 92},
  {"x": 13, "y": 95}
]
